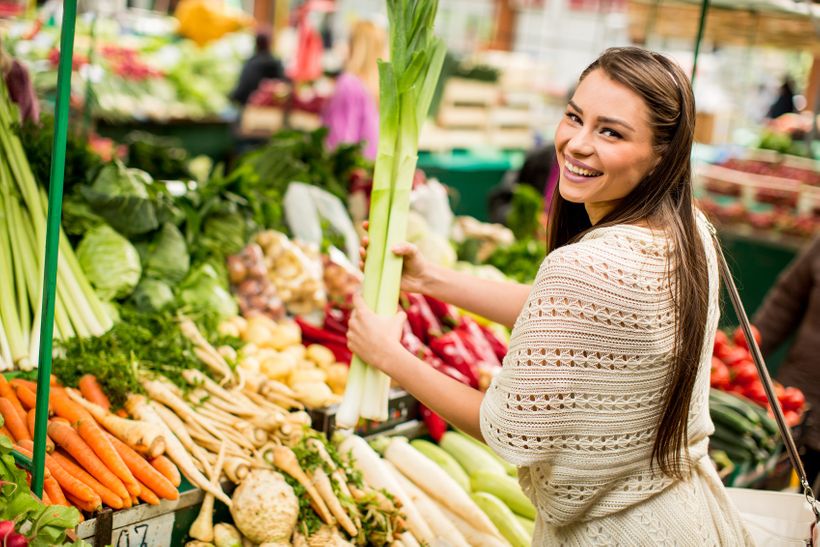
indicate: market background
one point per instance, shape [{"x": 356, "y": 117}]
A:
[{"x": 180, "y": 202}]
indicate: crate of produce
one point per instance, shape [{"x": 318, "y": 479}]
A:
[{"x": 402, "y": 408}]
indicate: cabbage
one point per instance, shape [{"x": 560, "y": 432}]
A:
[
  {"x": 110, "y": 262},
  {"x": 168, "y": 258},
  {"x": 203, "y": 291},
  {"x": 152, "y": 295}
]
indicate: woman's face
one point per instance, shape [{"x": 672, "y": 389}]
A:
[{"x": 603, "y": 144}]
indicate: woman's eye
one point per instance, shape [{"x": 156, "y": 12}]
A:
[
  {"x": 610, "y": 133},
  {"x": 573, "y": 117}
]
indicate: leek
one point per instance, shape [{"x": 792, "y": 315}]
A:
[
  {"x": 23, "y": 208},
  {"x": 406, "y": 86}
]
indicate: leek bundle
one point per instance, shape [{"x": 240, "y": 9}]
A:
[
  {"x": 23, "y": 205},
  {"x": 406, "y": 86}
]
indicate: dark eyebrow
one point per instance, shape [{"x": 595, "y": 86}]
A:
[{"x": 604, "y": 119}]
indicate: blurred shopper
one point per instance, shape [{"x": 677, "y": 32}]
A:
[
  {"x": 351, "y": 115},
  {"x": 539, "y": 170},
  {"x": 19, "y": 86},
  {"x": 261, "y": 66},
  {"x": 793, "y": 307},
  {"x": 784, "y": 104}
]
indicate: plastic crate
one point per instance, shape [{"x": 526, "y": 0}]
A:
[{"x": 402, "y": 407}]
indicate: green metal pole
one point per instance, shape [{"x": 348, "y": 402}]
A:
[
  {"x": 704, "y": 8},
  {"x": 89, "y": 93},
  {"x": 55, "y": 209}
]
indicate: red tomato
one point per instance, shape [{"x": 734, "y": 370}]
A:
[
  {"x": 735, "y": 356},
  {"x": 756, "y": 393},
  {"x": 721, "y": 343},
  {"x": 744, "y": 373},
  {"x": 792, "y": 418},
  {"x": 792, "y": 399},
  {"x": 719, "y": 374},
  {"x": 740, "y": 338}
]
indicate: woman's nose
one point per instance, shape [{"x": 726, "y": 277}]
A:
[{"x": 581, "y": 143}]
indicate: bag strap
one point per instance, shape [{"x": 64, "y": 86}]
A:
[{"x": 763, "y": 371}]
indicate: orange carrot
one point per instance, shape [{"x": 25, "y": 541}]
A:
[
  {"x": 45, "y": 499},
  {"x": 68, "y": 482},
  {"x": 55, "y": 493},
  {"x": 30, "y": 423},
  {"x": 143, "y": 471},
  {"x": 27, "y": 397},
  {"x": 54, "y": 381},
  {"x": 13, "y": 422},
  {"x": 92, "y": 434},
  {"x": 86, "y": 506},
  {"x": 106, "y": 495},
  {"x": 91, "y": 390},
  {"x": 167, "y": 468},
  {"x": 6, "y": 433},
  {"x": 60, "y": 420},
  {"x": 8, "y": 392},
  {"x": 71, "y": 441},
  {"x": 122, "y": 413},
  {"x": 27, "y": 383},
  {"x": 148, "y": 496}
]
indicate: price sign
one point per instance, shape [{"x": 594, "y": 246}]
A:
[{"x": 155, "y": 532}]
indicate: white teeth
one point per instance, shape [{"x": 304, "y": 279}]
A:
[{"x": 578, "y": 171}]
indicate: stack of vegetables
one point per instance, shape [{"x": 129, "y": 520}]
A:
[
  {"x": 78, "y": 311},
  {"x": 733, "y": 370}
]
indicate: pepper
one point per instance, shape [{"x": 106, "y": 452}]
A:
[
  {"x": 443, "y": 311},
  {"x": 336, "y": 319},
  {"x": 432, "y": 327},
  {"x": 499, "y": 346},
  {"x": 476, "y": 342},
  {"x": 415, "y": 321},
  {"x": 450, "y": 349},
  {"x": 436, "y": 425},
  {"x": 336, "y": 343}
]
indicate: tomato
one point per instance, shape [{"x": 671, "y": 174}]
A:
[
  {"x": 792, "y": 399},
  {"x": 792, "y": 418},
  {"x": 744, "y": 373},
  {"x": 721, "y": 343},
  {"x": 735, "y": 356},
  {"x": 740, "y": 338},
  {"x": 756, "y": 393},
  {"x": 719, "y": 374}
]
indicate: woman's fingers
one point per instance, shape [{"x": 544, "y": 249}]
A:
[{"x": 404, "y": 249}]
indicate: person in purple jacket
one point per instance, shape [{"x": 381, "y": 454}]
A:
[
  {"x": 20, "y": 88},
  {"x": 352, "y": 114}
]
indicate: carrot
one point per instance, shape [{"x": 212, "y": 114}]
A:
[
  {"x": 106, "y": 495},
  {"x": 30, "y": 422},
  {"x": 55, "y": 493},
  {"x": 13, "y": 423},
  {"x": 71, "y": 441},
  {"x": 86, "y": 506},
  {"x": 92, "y": 434},
  {"x": 8, "y": 392},
  {"x": 143, "y": 471},
  {"x": 67, "y": 481},
  {"x": 26, "y": 396},
  {"x": 45, "y": 499},
  {"x": 148, "y": 496},
  {"x": 91, "y": 390},
  {"x": 6, "y": 432},
  {"x": 122, "y": 413},
  {"x": 27, "y": 383},
  {"x": 54, "y": 381},
  {"x": 167, "y": 468}
]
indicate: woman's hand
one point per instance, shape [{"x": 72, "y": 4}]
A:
[
  {"x": 416, "y": 271},
  {"x": 375, "y": 339}
]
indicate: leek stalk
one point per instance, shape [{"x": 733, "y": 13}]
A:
[{"x": 406, "y": 86}]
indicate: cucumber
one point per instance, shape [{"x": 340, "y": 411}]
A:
[
  {"x": 736, "y": 453},
  {"x": 730, "y": 419},
  {"x": 729, "y": 437},
  {"x": 766, "y": 421},
  {"x": 741, "y": 406}
]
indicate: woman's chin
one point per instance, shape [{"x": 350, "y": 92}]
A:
[{"x": 570, "y": 194}]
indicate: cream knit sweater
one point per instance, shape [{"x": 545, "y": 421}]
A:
[{"x": 578, "y": 400}]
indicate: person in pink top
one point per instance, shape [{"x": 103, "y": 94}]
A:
[
  {"x": 20, "y": 88},
  {"x": 351, "y": 114}
]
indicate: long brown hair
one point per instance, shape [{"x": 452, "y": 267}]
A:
[{"x": 664, "y": 200}]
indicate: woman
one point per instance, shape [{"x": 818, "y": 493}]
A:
[
  {"x": 351, "y": 114},
  {"x": 603, "y": 398}
]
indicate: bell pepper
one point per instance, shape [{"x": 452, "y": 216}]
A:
[
  {"x": 436, "y": 425},
  {"x": 335, "y": 342},
  {"x": 429, "y": 323},
  {"x": 499, "y": 346},
  {"x": 476, "y": 342},
  {"x": 336, "y": 319},
  {"x": 450, "y": 349},
  {"x": 443, "y": 311}
]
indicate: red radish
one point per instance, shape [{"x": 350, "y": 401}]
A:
[
  {"x": 16, "y": 540},
  {"x": 6, "y": 528}
]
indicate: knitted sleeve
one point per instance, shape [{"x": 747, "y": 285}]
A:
[{"x": 582, "y": 385}]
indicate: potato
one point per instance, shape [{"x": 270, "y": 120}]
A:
[
  {"x": 228, "y": 328},
  {"x": 297, "y": 351},
  {"x": 314, "y": 394},
  {"x": 278, "y": 367},
  {"x": 337, "y": 377},
  {"x": 306, "y": 375},
  {"x": 286, "y": 334},
  {"x": 320, "y": 355}
]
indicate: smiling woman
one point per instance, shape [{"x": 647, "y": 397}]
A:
[{"x": 602, "y": 401}]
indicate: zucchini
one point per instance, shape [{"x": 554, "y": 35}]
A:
[
  {"x": 741, "y": 406},
  {"x": 736, "y": 453},
  {"x": 766, "y": 421},
  {"x": 504, "y": 488},
  {"x": 471, "y": 457},
  {"x": 743, "y": 441},
  {"x": 504, "y": 519},
  {"x": 731, "y": 419}
]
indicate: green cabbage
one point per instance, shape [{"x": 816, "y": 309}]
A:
[
  {"x": 205, "y": 292},
  {"x": 168, "y": 258},
  {"x": 110, "y": 262},
  {"x": 152, "y": 295}
]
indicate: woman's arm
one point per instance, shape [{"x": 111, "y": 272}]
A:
[
  {"x": 377, "y": 341},
  {"x": 499, "y": 301}
]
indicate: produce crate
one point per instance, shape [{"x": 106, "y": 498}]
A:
[
  {"x": 163, "y": 525},
  {"x": 402, "y": 408}
]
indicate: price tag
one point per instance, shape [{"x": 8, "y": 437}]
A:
[{"x": 155, "y": 532}]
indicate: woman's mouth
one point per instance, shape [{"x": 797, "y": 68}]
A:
[{"x": 572, "y": 169}]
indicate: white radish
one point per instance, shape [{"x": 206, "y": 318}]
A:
[
  {"x": 442, "y": 528},
  {"x": 476, "y": 538},
  {"x": 377, "y": 475},
  {"x": 437, "y": 484}
]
